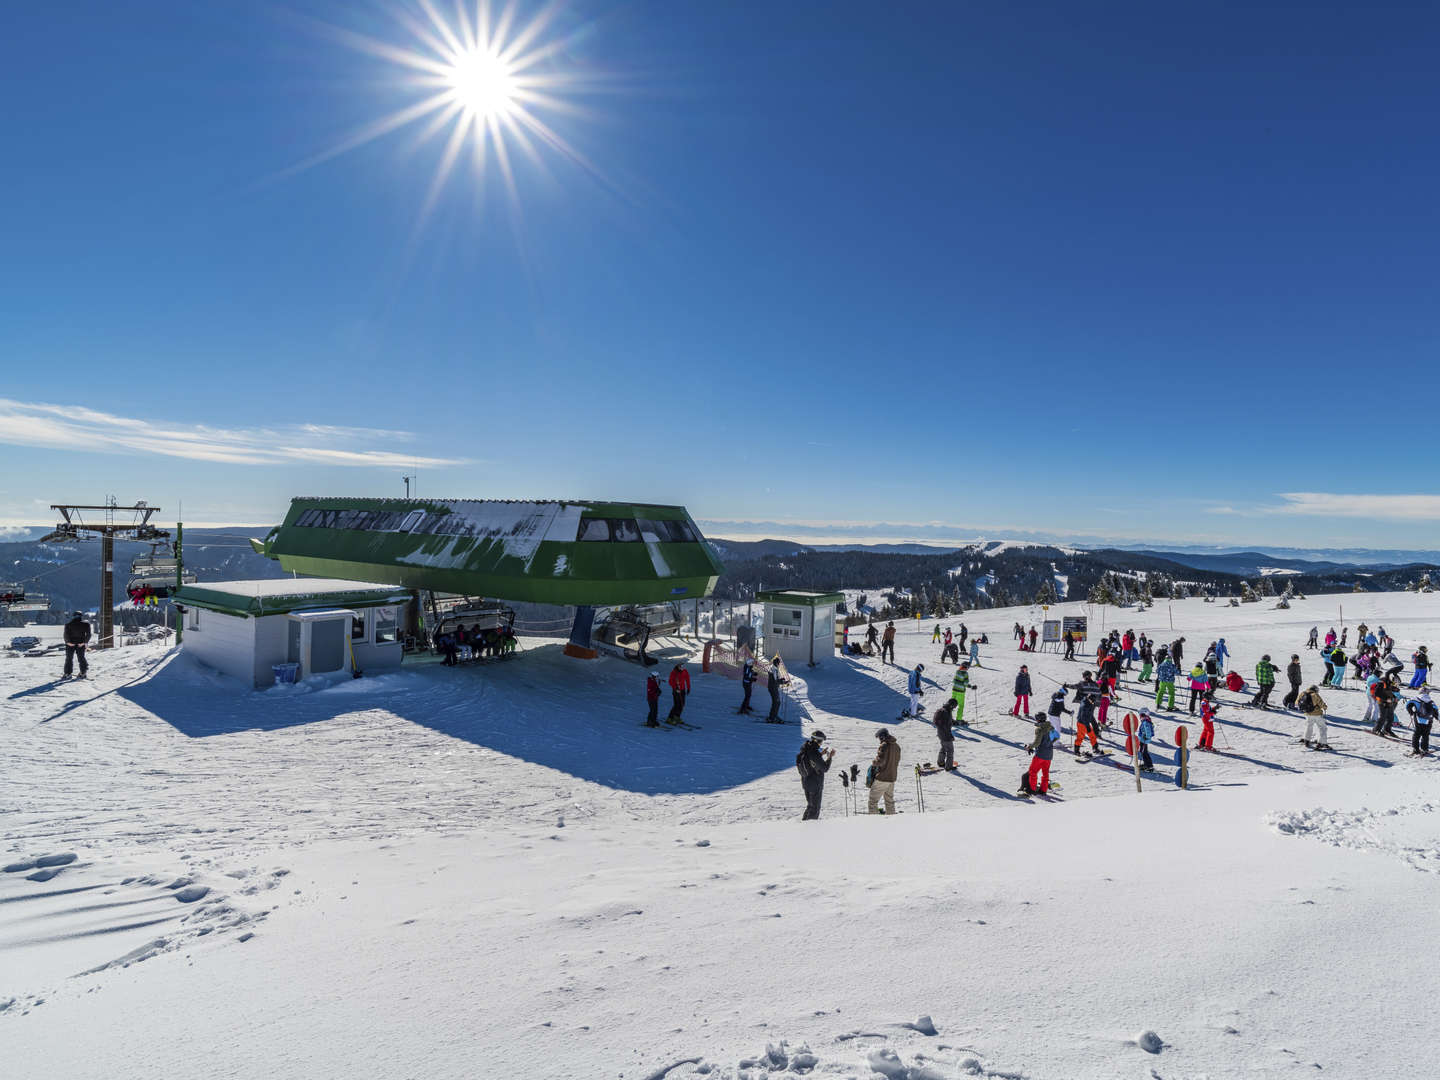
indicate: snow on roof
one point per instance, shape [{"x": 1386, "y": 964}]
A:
[{"x": 270, "y": 588}]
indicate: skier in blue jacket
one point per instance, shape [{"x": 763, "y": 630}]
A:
[
  {"x": 913, "y": 685},
  {"x": 1145, "y": 734}
]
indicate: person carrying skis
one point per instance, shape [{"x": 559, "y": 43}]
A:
[
  {"x": 1265, "y": 679},
  {"x": 747, "y": 681},
  {"x": 958, "y": 686},
  {"x": 1143, "y": 735},
  {"x": 1165, "y": 676},
  {"x": 773, "y": 682},
  {"x": 1313, "y": 706},
  {"x": 1293, "y": 676},
  {"x": 887, "y": 644},
  {"x": 679, "y": 687},
  {"x": 944, "y": 721},
  {"x": 1022, "y": 692},
  {"x": 1069, "y": 640},
  {"x": 652, "y": 699},
  {"x": 813, "y": 764},
  {"x": 1042, "y": 752},
  {"x": 77, "y": 636},
  {"x": 1199, "y": 683},
  {"x": 887, "y": 769},
  {"x": 1208, "y": 708},
  {"x": 1422, "y": 713},
  {"x": 916, "y": 691}
]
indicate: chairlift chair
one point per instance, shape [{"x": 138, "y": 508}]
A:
[
  {"x": 628, "y": 630},
  {"x": 11, "y": 594}
]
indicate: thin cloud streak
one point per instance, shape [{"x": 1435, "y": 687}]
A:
[
  {"x": 1389, "y": 507},
  {"x": 76, "y": 427}
]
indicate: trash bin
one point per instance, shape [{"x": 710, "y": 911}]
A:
[{"x": 285, "y": 674}]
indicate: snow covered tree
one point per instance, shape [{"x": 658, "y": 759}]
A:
[
  {"x": 1266, "y": 588},
  {"x": 1247, "y": 594}
]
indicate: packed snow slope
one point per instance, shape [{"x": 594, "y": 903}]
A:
[{"x": 498, "y": 872}]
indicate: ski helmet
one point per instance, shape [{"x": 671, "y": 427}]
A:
[
  {"x": 919, "y": 667},
  {"x": 817, "y": 735}
]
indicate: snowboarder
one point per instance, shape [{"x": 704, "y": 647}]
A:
[
  {"x": 916, "y": 691},
  {"x": 812, "y": 764},
  {"x": 958, "y": 686},
  {"x": 1056, "y": 713},
  {"x": 679, "y": 687},
  {"x": 1022, "y": 692},
  {"x": 652, "y": 699},
  {"x": 944, "y": 721},
  {"x": 1293, "y": 676},
  {"x": 77, "y": 636},
  {"x": 887, "y": 769},
  {"x": 747, "y": 681},
  {"x": 1422, "y": 712},
  {"x": 1265, "y": 679},
  {"x": 772, "y": 686},
  {"x": 887, "y": 644},
  {"x": 1042, "y": 752},
  {"x": 1313, "y": 706}
]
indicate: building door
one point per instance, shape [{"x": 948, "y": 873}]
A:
[{"x": 327, "y": 644}]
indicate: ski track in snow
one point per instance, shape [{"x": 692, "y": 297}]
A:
[{"x": 159, "y": 809}]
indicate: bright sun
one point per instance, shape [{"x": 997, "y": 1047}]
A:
[{"x": 483, "y": 84}]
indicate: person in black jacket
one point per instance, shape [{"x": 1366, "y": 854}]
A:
[
  {"x": 1292, "y": 673},
  {"x": 77, "y": 636},
  {"x": 944, "y": 720},
  {"x": 1022, "y": 692},
  {"x": 747, "y": 680},
  {"x": 1177, "y": 651},
  {"x": 813, "y": 764}
]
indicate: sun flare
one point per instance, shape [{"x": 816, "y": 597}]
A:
[{"x": 478, "y": 79}]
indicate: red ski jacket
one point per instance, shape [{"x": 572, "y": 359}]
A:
[{"x": 680, "y": 680}]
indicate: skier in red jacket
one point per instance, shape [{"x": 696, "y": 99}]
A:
[
  {"x": 1207, "y": 720},
  {"x": 652, "y": 699},
  {"x": 679, "y": 688}
]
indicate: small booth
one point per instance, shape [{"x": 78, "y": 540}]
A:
[
  {"x": 292, "y": 628},
  {"x": 799, "y": 624}
]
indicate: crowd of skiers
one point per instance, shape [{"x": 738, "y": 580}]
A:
[{"x": 1095, "y": 694}]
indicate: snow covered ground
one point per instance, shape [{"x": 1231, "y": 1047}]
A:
[{"x": 498, "y": 872}]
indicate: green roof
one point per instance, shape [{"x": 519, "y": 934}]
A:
[
  {"x": 280, "y": 596},
  {"x": 799, "y": 597},
  {"x": 543, "y": 551}
]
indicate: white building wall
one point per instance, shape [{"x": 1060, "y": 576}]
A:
[
  {"x": 272, "y": 646},
  {"x": 225, "y": 643}
]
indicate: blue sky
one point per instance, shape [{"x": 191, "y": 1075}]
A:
[{"x": 1146, "y": 271}]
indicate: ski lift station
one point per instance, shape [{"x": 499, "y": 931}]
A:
[
  {"x": 799, "y": 624},
  {"x": 287, "y": 629},
  {"x": 580, "y": 554}
]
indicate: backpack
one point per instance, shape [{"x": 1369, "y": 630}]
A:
[
  {"x": 802, "y": 766},
  {"x": 1306, "y": 702}
]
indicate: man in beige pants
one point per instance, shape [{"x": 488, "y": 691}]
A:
[
  {"x": 887, "y": 770},
  {"x": 1313, "y": 705}
]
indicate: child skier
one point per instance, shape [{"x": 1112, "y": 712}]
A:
[
  {"x": 1037, "y": 781},
  {"x": 1143, "y": 736},
  {"x": 1208, "y": 708}
]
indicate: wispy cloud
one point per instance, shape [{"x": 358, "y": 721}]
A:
[
  {"x": 1387, "y": 507},
  {"x": 75, "y": 427}
]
